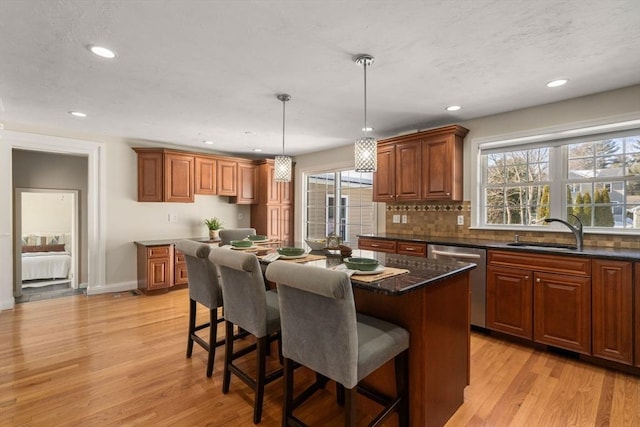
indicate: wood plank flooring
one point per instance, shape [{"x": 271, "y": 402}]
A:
[{"x": 119, "y": 359}]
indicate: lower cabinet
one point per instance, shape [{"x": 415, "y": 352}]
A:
[
  {"x": 160, "y": 267},
  {"x": 562, "y": 311},
  {"x": 612, "y": 316},
  {"x": 543, "y": 298},
  {"x": 510, "y": 301},
  {"x": 636, "y": 290},
  {"x": 393, "y": 246}
]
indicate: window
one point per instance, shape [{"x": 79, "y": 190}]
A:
[
  {"x": 339, "y": 202},
  {"x": 596, "y": 178}
]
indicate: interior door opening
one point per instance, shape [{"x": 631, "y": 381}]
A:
[{"x": 46, "y": 243}]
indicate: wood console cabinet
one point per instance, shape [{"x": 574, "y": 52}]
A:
[
  {"x": 272, "y": 215},
  {"x": 160, "y": 267},
  {"x": 541, "y": 297},
  {"x": 165, "y": 176},
  {"x": 612, "y": 316},
  {"x": 421, "y": 166}
]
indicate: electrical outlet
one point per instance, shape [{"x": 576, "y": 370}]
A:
[
  {"x": 173, "y": 217},
  {"x": 404, "y": 219},
  {"x": 396, "y": 219},
  {"x": 460, "y": 219}
]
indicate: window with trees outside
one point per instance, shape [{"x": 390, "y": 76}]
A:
[
  {"x": 596, "y": 178},
  {"x": 339, "y": 202}
]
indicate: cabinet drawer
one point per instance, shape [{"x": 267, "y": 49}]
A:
[
  {"x": 378, "y": 245},
  {"x": 158, "y": 251},
  {"x": 541, "y": 262},
  {"x": 415, "y": 249}
]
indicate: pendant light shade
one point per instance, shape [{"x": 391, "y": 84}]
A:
[
  {"x": 282, "y": 165},
  {"x": 366, "y": 159}
]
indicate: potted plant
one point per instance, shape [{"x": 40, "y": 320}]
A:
[{"x": 214, "y": 225}]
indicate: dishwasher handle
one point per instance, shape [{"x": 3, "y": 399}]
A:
[{"x": 455, "y": 254}]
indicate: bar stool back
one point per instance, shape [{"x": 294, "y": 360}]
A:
[
  {"x": 322, "y": 331},
  {"x": 229, "y": 234}
]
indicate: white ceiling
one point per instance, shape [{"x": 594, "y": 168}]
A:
[{"x": 190, "y": 70}]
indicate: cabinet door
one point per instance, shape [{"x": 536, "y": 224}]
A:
[
  {"x": 442, "y": 168},
  {"x": 286, "y": 192},
  {"x": 384, "y": 179},
  {"x": 509, "y": 301},
  {"x": 273, "y": 187},
  {"x": 159, "y": 267},
  {"x": 227, "y": 178},
  {"x": 150, "y": 172},
  {"x": 179, "y": 269},
  {"x": 247, "y": 184},
  {"x": 273, "y": 222},
  {"x": 286, "y": 216},
  {"x": 206, "y": 179},
  {"x": 612, "y": 310},
  {"x": 562, "y": 311},
  {"x": 636, "y": 291},
  {"x": 178, "y": 178},
  {"x": 408, "y": 174}
]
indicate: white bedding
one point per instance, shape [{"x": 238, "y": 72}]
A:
[{"x": 45, "y": 265}]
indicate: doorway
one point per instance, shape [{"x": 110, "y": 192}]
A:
[{"x": 47, "y": 236}]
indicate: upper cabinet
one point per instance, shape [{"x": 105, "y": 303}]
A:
[
  {"x": 421, "y": 166},
  {"x": 246, "y": 184},
  {"x": 165, "y": 176},
  {"x": 227, "y": 179},
  {"x": 272, "y": 215},
  {"x": 206, "y": 175}
]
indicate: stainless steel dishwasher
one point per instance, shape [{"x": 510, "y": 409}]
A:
[{"x": 477, "y": 276}]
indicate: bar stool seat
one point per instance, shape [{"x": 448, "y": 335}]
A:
[{"x": 322, "y": 331}]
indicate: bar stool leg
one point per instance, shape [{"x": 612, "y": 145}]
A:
[
  {"x": 350, "y": 407},
  {"x": 213, "y": 337},
  {"x": 192, "y": 326},
  {"x": 228, "y": 357},
  {"x": 401, "y": 365},
  {"x": 287, "y": 406}
]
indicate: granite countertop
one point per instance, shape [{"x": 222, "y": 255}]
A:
[
  {"x": 162, "y": 242},
  {"x": 588, "y": 251},
  {"x": 422, "y": 272}
]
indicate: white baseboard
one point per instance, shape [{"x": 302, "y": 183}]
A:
[
  {"x": 7, "y": 304},
  {"x": 112, "y": 287}
]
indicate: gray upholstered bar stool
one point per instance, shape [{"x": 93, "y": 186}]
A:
[
  {"x": 204, "y": 288},
  {"x": 229, "y": 234},
  {"x": 322, "y": 331},
  {"x": 249, "y": 305}
]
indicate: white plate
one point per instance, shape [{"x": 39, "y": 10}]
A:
[
  {"x": 292, "y": 256},
  {"x": 379, "y": 269}
]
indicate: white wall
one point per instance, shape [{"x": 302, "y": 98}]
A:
[{"x": 46, "y": 212}]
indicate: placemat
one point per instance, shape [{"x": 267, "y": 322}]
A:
[
  {"x": 309, "y": 257},
  {"x": 388, "y": 272}
]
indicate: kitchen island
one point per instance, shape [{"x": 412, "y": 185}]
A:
[{"x": 431, "y": 301}]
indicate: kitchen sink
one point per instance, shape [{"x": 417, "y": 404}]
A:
[{"x": 545, "y": 246}]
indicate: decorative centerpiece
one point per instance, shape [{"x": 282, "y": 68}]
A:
[{"x": 214, "y": 225}]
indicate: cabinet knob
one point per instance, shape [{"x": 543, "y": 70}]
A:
[
  {"x": 538, "y": 280},
  {"x": 526, "y": 277}
]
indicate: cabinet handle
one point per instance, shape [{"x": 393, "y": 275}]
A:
[
  {"x": 526, "y": 277},
  {"x": 409, "y": 249},
  {"x": 538, "y": 280},
  {"x": 374, "y": 245}
]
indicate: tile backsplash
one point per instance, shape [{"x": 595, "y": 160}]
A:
[{"x": 440, "y": 220}]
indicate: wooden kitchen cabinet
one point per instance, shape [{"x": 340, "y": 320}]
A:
[
  {"x": 544, "y": 298},
  {"x": 398, "y": 176},
  {"x": 562, "y": 311},
  {"x": 411, "y": 248},
  {"x": 510, "y": 301},
  {"x": 272, "y": 215},
  {"x": 165, "y": 176},
  {"x": 160, "y": 267},
  {"x": 421, "y": 166},
  {"x": 378, "y": 245},
  {"x": 612, "y": 317},
  {"x": 442, "y": 163},
  {"x": 247, "y": 184},
  {"x": 206, "y": 175},
  {"x": 227, "y": 177}
]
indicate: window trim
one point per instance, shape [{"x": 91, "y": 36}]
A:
[{"x": 550, "y": 136}]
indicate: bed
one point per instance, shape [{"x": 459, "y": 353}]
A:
[{"x": 47, "y": 259}]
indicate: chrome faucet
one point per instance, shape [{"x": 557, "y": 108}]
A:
[{"x": 577, "y": 231}]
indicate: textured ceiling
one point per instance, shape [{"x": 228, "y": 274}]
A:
[{"x": 189, "y": 70}]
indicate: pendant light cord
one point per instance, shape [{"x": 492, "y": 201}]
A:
[
  {"x": 365, "y": 98},
  {"x": 283, "y": 110}
]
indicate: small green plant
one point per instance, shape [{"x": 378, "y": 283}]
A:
[{"x": 214, "y": 223}]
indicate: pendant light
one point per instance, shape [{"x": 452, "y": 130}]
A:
[
  {"x": 366, "y": 159},
  {"x": 282, "y": 166}
]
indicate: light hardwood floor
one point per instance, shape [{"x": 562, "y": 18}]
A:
[{"x": 119, "y": 359}]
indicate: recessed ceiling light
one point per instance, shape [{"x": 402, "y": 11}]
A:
[
  {"x": 208, "y": 142},
  {"x": 258, "y": 150},
  {"x": 77, "y": 114},
  {"x": 102, "y": 51},
  {"x": 453, "y": 108},
  {"x": 367, "y": 129},
  {"x": 556, "y": 83}
]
